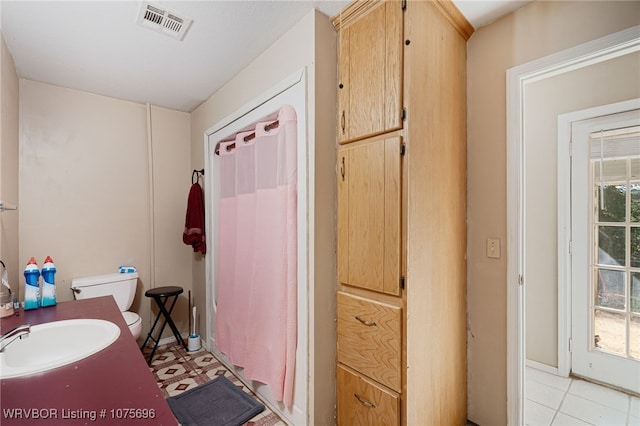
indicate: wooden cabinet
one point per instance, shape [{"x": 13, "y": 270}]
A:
[
  {"x": 370, "y": 76},
  {"x": 401, "y": 226},
  {"x": 369, "y": 185},
  {"x": 369, "y": 338},
  {"x": 361, "y": 402}
]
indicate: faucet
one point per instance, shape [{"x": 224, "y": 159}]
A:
[{"x": 21, "y": 331}]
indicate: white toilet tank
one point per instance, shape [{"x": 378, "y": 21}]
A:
[{"x": 122, "y": 286}]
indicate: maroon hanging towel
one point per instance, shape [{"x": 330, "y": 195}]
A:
[{"x": 194, "y": 222}]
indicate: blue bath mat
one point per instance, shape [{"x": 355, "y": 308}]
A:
[{"x": 215, "y": 403}]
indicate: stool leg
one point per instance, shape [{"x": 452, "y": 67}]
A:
[
  {"x": 168, "y": 319},
  {"x": 164, "y": 323},
  {"x": 163, "y": 313},
  {"x": 149, "y": 335}
]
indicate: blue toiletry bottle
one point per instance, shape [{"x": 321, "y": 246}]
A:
[
  {"x": 31, "y": 285},
  {"x": 48, "y": 283}
]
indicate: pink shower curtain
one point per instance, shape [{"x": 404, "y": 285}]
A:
[{"x": 256, "y": 317}]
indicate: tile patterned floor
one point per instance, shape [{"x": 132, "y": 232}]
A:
[
  {"x": 177, "y": 370},
  {"x": 565, "y": 401}
]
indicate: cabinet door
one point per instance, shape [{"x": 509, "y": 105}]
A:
[
  {"x": 369, "y": 201},
  {"x": 363, "y": 403},
  {"x": 370, "y": 338},
  {"x": 370, "y": 73}
]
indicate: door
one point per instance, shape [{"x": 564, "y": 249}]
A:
[
  {"x": 369, "y": 197},
  {"x": 369, "y": 73},
  {"x": 605, "y": 233}
]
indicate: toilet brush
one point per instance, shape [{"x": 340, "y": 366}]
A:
[{"x": 194, "y": 339}]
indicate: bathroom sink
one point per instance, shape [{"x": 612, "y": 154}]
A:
[{"x": 55, "y": 344}]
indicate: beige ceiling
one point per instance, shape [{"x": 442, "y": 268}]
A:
[{"x": 96, "y": 46}]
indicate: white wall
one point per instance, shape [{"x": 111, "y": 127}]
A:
[
  {"x": 604, "y": 83},
  {"x": 85, "y": 189},
  {"x": 310, "y": 43},
  {"x": 290, "y": 53},
  {"x": 9, "y": 102},
  {"x": 534, "y": 31},
  {"x": 171, "y": 159}
]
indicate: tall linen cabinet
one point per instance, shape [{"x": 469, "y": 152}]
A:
[{"x": 401, "y": 225}]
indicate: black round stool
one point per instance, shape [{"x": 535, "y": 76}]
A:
[{"x": 161, "y": 295}]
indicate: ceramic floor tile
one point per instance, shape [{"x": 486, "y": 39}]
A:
[
  {"x": 561, "y": 383},
  {"x": 177, "y": 370},
  {"x": 562, "y": 419},
  {"x": 177, "y": 388},
  {"x": 170, "y": 371},
  {"x": 537, "y": 414},
  {"x": 600, "y": 394},
  {"x": 634, "y": 406},
  {"x": 584, "y": 403},
  {"x": 543, "y": 394},
  {"x": 592, "y": 412}
]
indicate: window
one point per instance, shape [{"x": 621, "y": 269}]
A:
[{"x": 615, "y": 248}]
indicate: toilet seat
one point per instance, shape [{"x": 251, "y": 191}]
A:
[
  {"x": 130, "y": 317},
  {"x": 134, "y": 322}
]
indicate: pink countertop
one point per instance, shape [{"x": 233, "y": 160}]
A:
[{"x": 112, "y": 387}]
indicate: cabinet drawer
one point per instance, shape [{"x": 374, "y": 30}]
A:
[
  {"x": 362, "y": 402},
  {"x": 370, "y": 338}
]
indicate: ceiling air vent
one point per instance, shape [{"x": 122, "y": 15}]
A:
[{"x": 159, "y": 19}]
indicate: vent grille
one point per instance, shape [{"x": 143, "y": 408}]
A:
[{"x": 161, "y": 20}]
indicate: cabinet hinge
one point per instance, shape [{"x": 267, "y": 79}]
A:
[
  {"x": 403, "y": 114},
  {"x": 403, "y": 149},
  {"x": 570, "y": 345},
  {"x": 570, "y": 247},
  {"x": 404, "y": 4},
  {"x": 520, "y": 279},
  {"x": 402, "y": 280},
  {"x": 570, "y": 148}
]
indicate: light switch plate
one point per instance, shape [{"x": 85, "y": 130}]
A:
[{"x": 493, "y": 248}]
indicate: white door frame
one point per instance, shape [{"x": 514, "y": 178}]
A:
[
  {"x": 564, "y": 219},
  {"x": 602, "y": 49},
  {"x": 293, "y": 91}
]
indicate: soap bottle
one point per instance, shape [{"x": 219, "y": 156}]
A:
[
  {"x": 48, "y": 283},
  {"x": 31, "y": 285}
]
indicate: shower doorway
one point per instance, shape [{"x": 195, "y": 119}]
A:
[{"x": 292, "y": 92}]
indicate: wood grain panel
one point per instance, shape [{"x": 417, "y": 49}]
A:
[
  {"x": 343, "y": 84},
  {"x": 343, "y": 216},
  {"x": 371, "y": 73},
  {"x": 451, "y": 13},
  {"x": 435, "y": 87},
  {"x": 393, "y": 66},
  {"x": 366, "y": 215},
  {"x": 392, "y": 205},
  {"x": 370, "y": 338},
  {"x": 353, "y": 12},
  {"x": 367, "y": 73},
  {"x": 362, "y": 403}
]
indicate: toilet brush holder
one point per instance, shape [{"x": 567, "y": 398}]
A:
[{"x": 193, "y": 343}]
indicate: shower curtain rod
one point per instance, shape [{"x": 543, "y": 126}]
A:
[{"x": 247, "y": 138}]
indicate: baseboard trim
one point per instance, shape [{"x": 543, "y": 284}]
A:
[
  {"x": 542, "y": 367},
  {"x": 167, "y": 340}
]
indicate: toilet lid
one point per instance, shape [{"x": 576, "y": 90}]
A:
[{"x": 130, "y": 317}]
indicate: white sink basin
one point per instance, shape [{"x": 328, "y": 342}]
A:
[{"x": 55, "y": 344}]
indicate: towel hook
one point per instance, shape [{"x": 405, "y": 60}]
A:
[{"x": 196, "y": 174}]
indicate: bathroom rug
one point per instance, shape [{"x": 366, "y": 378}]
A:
[{"x": 216, "y": 403}]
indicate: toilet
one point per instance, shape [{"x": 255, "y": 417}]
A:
[{"x": 122, "y": 286}]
